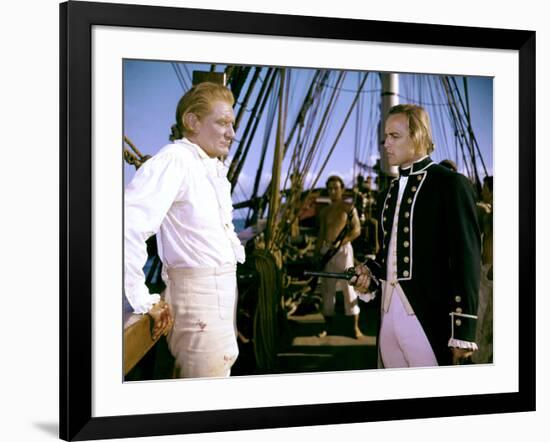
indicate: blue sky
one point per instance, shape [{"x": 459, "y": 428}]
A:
[{"x": 152, "y": 90}]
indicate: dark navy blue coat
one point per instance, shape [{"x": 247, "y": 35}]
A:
[{"x": 438, "y": 251}]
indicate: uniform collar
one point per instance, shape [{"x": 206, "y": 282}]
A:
[{"x": 417, "y": 166}]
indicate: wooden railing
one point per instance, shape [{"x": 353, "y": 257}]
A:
[{"x": 137, "y": 339}]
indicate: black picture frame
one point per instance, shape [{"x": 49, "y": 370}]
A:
[{"x": 76, "y": 22}]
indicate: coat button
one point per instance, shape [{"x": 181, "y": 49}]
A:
[
  {"x": 458, "y": 298},
  {"x": 458, "y": 322},
  {"x": 413, "y": 188},
  {"x": 410, "y": 200},
  {"x": 389, "y": 195},
  {"x": 405, "y": 273},
  {"x": 406, "y": 244},
  {"x": 406, "y": 230},
  {"x": 406, "y": 259},
  {"x": 418, "y": 177},
  {"x": 458, "y": 310},
  {"x": 407, "y": 214}
]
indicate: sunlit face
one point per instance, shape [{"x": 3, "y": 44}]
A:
[
  {"x": 214, "y": 132},
  {"x": 398, "y": 143},
  {"x": 335, "y": 191}
]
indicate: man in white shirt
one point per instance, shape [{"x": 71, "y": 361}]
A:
[{"x": 183, "y": 196}]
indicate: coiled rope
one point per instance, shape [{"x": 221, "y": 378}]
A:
[{"x": 265, "y": 318}]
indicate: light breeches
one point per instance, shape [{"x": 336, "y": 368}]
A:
[{"x": 203, "y": 301}]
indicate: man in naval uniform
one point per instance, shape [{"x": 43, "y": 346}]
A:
[{"x": 430, "y": 252}]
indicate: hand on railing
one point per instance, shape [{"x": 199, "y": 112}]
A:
[{"x": 162, "y": 317}]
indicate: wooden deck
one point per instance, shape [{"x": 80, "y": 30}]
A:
[{"x": 337, "y": 351}]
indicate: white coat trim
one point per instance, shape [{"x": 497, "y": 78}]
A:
[
  {"x": 419, "y": 185},
  {"x": 384, "y": 209}
]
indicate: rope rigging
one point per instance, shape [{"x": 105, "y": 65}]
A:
[
  {"x": 468, "y": 143},
  {"x": 291, "y": 211},
  {"x": 179, "y": 76},
  {"x": 466, "y": 112},
  {"x": 241, "y": 153}
]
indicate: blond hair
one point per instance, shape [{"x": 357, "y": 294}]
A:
[
  {"x": 419, "y": 125},
  {"x": 198, "y": 101}
]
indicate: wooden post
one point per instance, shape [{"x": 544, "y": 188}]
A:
[{"x": 275, "y": 197}]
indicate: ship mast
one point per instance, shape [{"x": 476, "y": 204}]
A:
[{"x": 390, "y": 98}]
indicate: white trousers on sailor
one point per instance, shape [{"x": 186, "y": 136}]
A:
[
  {"x": 338, "y": 263},
  {"x": 402, "y": 340},
  {"x": 203, "y": 340}
]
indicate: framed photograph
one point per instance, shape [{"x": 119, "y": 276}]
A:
[{"x": 123, "y": 70}]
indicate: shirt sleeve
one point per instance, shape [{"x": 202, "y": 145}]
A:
[{"x": 147, "y": 199}]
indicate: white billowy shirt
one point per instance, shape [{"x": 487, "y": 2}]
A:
[{"x": 183, "y": 196}]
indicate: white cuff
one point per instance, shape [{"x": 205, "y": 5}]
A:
[
  {"x": 366, "y": 297},
  {"x": 457, "y": 343}
]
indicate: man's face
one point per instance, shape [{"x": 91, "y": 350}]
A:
[
  {"x": 214, "y": 132},
  {"x": 335, "y": 191},
  {"x": 398, "y": 143}
]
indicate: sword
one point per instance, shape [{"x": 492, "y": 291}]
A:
[
  {"x": 347, "y": 274},
  {"x": 374, "y": 269}
]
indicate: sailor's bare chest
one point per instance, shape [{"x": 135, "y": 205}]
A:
[{"x": 335, "y": 219}]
